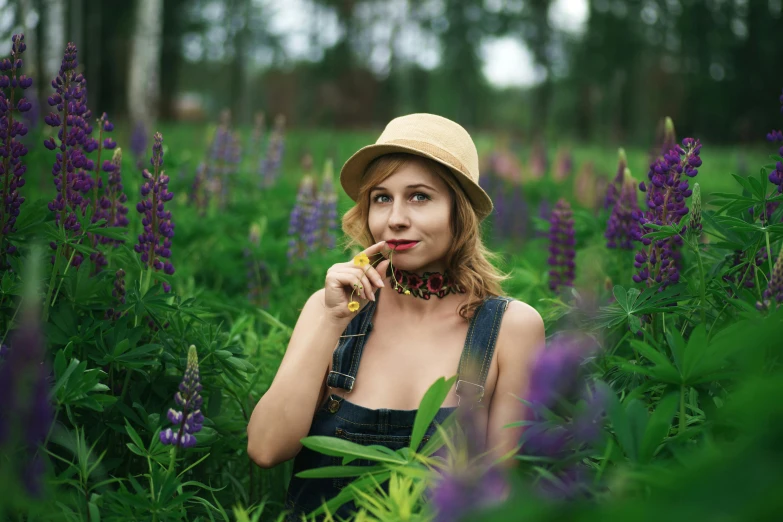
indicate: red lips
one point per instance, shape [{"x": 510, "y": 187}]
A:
[{"x": 401, "y": 244}]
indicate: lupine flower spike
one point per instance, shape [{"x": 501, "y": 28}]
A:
[
  {"x": 189, "y": 420},
  {"x": 694, "y": 224},
  {"x": 622, "y": 228},
  {"x": 613, "y": 189},
  {"x": 666, "y": 192},
  {"x": 155, "y": 242},
  {"x": 11, "y": 149},
  {"x": 302, "y": 223},
  {"x": 561, "y": 247},
  {"x": 773, "y": 294},
  {"x": 72, "y": 120}
]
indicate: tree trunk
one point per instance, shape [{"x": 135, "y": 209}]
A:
[
  {"x": 144, "y": 66},
  {"x": 54, "y": 37}
]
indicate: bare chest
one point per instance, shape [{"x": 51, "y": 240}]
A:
[{"x": 400, "y": 362}]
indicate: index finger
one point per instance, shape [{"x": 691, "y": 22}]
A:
[{"x": 374, "y": 249}]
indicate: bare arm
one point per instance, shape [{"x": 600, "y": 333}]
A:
[
  {"x": 284, "y": 415},
  {"x": 521, "y": 338},
  {"x": 285, "y": 412}
]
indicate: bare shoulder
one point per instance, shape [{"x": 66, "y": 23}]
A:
[{"x": 521, "y": 334}]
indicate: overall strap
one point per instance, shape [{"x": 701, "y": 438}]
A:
[
  {"x": 345, "y": 359},
  {"x": 479, "y": 347}
]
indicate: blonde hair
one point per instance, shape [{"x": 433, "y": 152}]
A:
[{"x": 467, "y": 260}]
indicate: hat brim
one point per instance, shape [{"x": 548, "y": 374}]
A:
[{"x": 353, "y": 170}]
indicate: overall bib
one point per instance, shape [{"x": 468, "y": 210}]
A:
[{"x": 338, "y": 417}]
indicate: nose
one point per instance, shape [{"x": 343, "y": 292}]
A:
[{"x": 398, "y": 217}]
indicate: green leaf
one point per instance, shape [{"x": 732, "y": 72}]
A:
[
  {"x": 429, "y": 407},
  {"x": 338, "y": 471},
  {"x": 677, "y": 346},
  {"x": 347, "y": 494},
  {"x": 657, "y": 427},
  {"x": 337, "y": 447}
]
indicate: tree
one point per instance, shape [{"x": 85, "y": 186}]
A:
[{"x": 144, "y": 66}]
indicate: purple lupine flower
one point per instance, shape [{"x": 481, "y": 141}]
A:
[
  {"x": 189, "y": 420},
  {"x": 12, "y": 150},
  {"x": 104, "y": 125},
  {"x": 138, "y": 143},
  {"x": 198, "y": 190},
  {"x": 776, "y": 176},
  {"x": 118, "y": 212},
  {"x": 269, "y": 167},
  {"x": 326, "y": 218},
  {"x": 555, "y": 372},
  {"x": 772, "y": 296},
  {"x": 564, "y": 165},
  {"x": 666, "y": 192},
  {"x": 456, "y": 495},
  {"x": 155, "y": 242},
  {"x": 561, "y": 246},
  {"x": 613, "y": 189},
  {"x": 747, "y": 274},
  {"x": 257, "y": 271},
  {"x": 622, "y": 229},
  {"x": 539, "y": 162},
  {"x": 665, "y": 140},
  {"x": 556, "y": 376},
  {"x": 301, "y": 226},
  {"x": 26, "y": 414},
  {"x": 118, "y": 293},
  {"x": 70, "y": 177}
]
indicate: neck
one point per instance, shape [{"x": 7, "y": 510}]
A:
[{"x": 424, "y": 285}]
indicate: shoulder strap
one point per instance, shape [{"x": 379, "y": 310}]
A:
[
  {"x": 479, "y": 347},
  {"x": 345, "y": 359}
]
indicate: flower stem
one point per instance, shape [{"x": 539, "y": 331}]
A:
[
  {"x": 769, "y": 251},
  {"x": 682, "y": 409},
  {"x": 51, "y": 284},
  {"x": 67, "y": 266},
  {"x": 702, "y": 289}
]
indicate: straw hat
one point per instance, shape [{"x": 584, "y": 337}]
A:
[{"x": 429, "y": 136}]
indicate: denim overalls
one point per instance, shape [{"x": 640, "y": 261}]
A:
[{"x": 391, "y": 428}]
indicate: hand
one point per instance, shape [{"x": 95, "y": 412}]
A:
[{"x": 345, "y": 282}]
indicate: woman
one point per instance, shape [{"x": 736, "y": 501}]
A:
[{"x": 430, "y": 308}]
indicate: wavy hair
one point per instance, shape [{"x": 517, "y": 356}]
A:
[{"x": 467, "y": 260}]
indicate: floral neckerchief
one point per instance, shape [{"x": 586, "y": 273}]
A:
[{"x": 426, "y": 285}]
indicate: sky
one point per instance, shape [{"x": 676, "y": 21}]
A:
[{"x": 507, "y": 61}]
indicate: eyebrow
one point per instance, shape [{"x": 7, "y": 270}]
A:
[{"x": 418, "y": 185}]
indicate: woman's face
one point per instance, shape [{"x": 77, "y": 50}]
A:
[{"x": 413, "y": 204}]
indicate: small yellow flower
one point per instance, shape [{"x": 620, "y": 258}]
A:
[
  {"x": 407, "y": 292},
  {"x": 361, "y": 260},
  {"x": 353, "y": 306}
]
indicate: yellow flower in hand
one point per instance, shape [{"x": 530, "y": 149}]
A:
[
  {"x": 353, "y": 306},
  {"x": 361, "y": 260}
]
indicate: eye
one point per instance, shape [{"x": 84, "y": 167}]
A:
[
  {"x": 423, "y": 195},
  {"x": 376, "y": 198}
]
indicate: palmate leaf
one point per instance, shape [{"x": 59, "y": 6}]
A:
[{"x": 632, "y": 303}]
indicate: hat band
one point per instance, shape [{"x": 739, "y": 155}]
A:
[{"x": 432, "y": 150}]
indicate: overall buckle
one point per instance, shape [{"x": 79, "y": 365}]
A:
[
  {"x": 478, "y": 396},
  {"x": 353, "y": 379}
]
